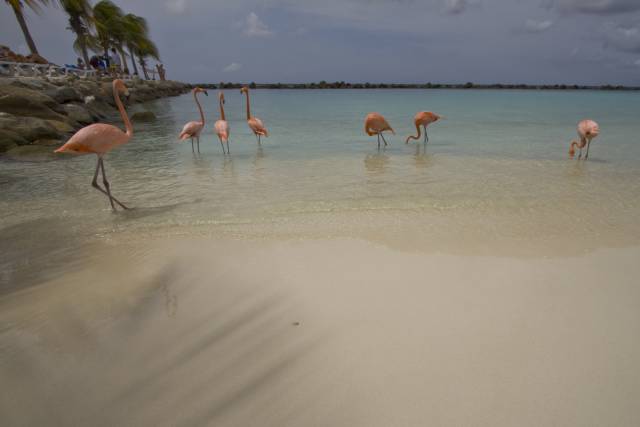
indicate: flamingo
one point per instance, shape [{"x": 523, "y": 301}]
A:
[
  {"x": 254, "y": 123},
  {"x": 101, "y": 138},
  {"x": 424, "y": 119},
  {"x": 587, "y": 130},
  {"x": 375, "y": 124},
  {"x": 221, "y": 126},
  {"x": 193, "y": 129}
]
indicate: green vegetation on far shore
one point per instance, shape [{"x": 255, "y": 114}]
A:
[{"x": 346, "y": 85}]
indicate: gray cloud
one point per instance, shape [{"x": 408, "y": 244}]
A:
[
  {"x": 176, "y": 6},
  {"x": 234, "y": 66},
  {"x": 533, "y": 26},
  {"x": 374, "y": 40},
  {"x": 455, "y": 7},
  {"x": 624, "y": 39},
  {"x": 255, "y": 27},
  {"x": 597, "y": 7}
]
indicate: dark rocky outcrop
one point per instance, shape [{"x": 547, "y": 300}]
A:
[{"x": 45, "y": 112}]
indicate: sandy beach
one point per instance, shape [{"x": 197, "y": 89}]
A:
[{"x": 323, "y": 332}]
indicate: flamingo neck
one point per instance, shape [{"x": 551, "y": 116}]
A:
[
  {"x": 199, "y": 107},
  {"x": 419, "y": 132},
  {"x": 248, "y": 108},
  {"x": 123, "y": 112},
  {"x": 222, "y": 110}
]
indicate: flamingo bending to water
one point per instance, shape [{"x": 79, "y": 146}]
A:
[
  {"x": 375, "y": 124},
  {"x": 255, "y": 124},
  {"x": 587, "y": 130},
  {"x": 193, "y": 129},
  {"x": 221, "y": 126},
  {"x": 423, "y": 119},
  {"x": 99, "y": 139}
]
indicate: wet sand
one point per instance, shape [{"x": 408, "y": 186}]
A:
[{"x": 322, "y": 332}]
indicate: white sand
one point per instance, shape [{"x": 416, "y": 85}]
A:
[{"x": 205, "y": 333}]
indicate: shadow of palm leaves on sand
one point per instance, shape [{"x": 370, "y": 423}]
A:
[
  {"x": 36, "y": 251},
  {"x": 215, "y": 361}
]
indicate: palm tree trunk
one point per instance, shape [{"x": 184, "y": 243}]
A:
[
  {"x": 133, "y": 62},
  {"x": 143, "y": 65},
  {"x": 25, "y": 30},
  {"x": 125, "y": 67},
  {"x": 85, "y": 55}
]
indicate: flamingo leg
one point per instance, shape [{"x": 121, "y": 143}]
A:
[
  {"x": 228, "y": 149},
  {"x": 198, "y": 141},
  {"x": 586, "y": 156},
  {"x": 95, "y": 185},
  {"x": 108, "y": 187},
  {"x": 378, "y": 141},
  {"x": 385, "y": 141},
  {"x": 192, "y": 149},
  {"x": 222, "y": 145},
  {"x": 259, "y": 139},
  {"x": 426, "y": 136}
]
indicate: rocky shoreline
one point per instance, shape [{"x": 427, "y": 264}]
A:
[{"x": 37, "y": 112}]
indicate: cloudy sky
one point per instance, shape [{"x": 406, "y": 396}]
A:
[{"x": 484, "y": 41}]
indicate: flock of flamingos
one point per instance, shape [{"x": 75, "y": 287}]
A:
[{"x": 100, "y": 138}]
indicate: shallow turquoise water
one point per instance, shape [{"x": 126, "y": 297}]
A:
[{"x": 495, "y": 170}]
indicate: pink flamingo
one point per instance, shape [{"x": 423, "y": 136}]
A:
[
  {"x": 254, "y": 123},
  {"x": 99, "y": 139},
  {"x": 587, "y": 130},
  {"x": 221, "y": 126},
  {"x": 193, "y": 129},
  {"x": 424, "y": 119},
  {"x": 375, "y": 124}
]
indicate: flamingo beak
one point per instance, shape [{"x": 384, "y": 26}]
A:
[{"x": 205, "y": 92}]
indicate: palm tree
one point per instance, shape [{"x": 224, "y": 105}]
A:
[
  {"x": 138, "y": 42},
  {"x": 109, "y": 26},
  {"x": 135, "y": 30},
  {"x": 80, "y": 20},
  {"x": 144, "y": 49},
  {"x": 18, "y": 6}
]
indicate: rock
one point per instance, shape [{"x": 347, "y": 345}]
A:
[
  {"x": 61, "y": 127},
  {"x": 32, "y": 153},
  {"x": 30, "y": 83},
  {"x": 9, "y": 139},
  {"x": 28, "y": 128},
  {"x": 49, "y": 142},
  {"x": 78, "y": 113},
  {"x": 64, "y": 94},
  {"x": 20, "y": 90},
  {"x": 97, "y": 108},
  {"x": 143, "y": 116},
  {"x": 87, "y": 87},
  {"x": 27, "y": 102}
]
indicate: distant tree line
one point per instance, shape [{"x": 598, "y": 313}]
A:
[{"x": 345, "y": 85}]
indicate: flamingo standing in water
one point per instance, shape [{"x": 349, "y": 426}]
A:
[
  {"x": 255, "y": 124},
  {"x": 221, "y": 126},
  {"x": 99, "y": 139},
  {"x": 375, "y": 124},
  {"x": 587, "y": 130},
  {"x": 193, "y": 129},
  {"x": 424, "y": 119}
]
